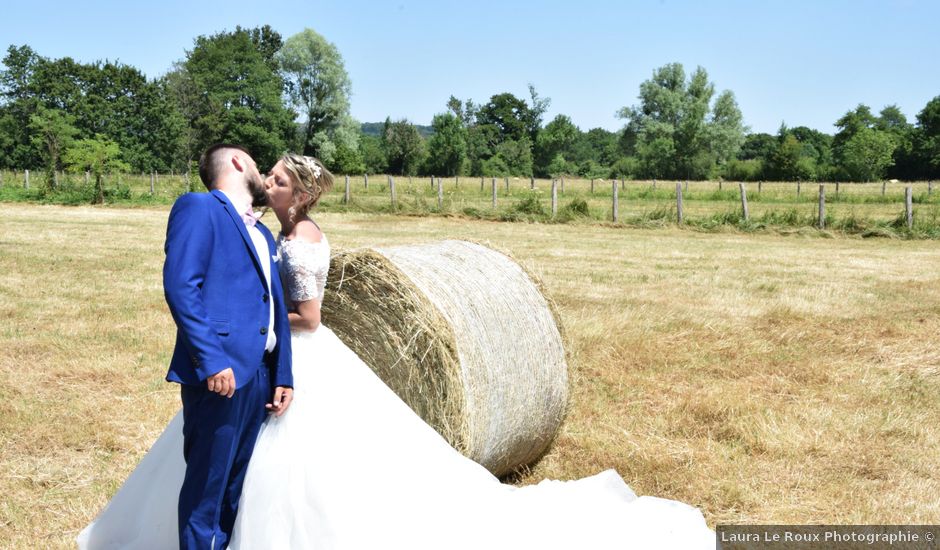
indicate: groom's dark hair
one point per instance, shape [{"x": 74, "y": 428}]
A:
[{"x": 211, "y": 162}]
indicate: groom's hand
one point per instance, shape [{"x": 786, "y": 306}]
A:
[
  {"x": 222, "y": 382},
  {"x": 282, "y": 399}
]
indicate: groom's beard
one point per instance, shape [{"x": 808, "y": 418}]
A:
[{"x": 256, "y": 187}]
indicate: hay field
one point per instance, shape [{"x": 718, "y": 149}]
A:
[{"x": 763, "y": 378}]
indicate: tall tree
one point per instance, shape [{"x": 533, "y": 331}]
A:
[
  {"x": 239, "y": 94},
  {"x": 97, "y": 155},
  {"x": 892, "y": 121},
  {"x": 927, "y": 138},
  {"x": 867, "y": 154},
  {"x": 558, "y": 138},
  {"x": 537, "y": 108},
  {"x": 319, "y": 89},
  {"x": 447, "y": 148},
  {"x": 17, "y": 105},
  {"x": 52, "y": 131},
  {"x": 726, "y": 128},
  {"x": 508, "y": 115},
  {"x": 675, "y": 131},
  {"x": 404, "y": 147},
  {"x": 850, "y": 124}
]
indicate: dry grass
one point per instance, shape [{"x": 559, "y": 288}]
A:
[{"x": 763, "y": 378}]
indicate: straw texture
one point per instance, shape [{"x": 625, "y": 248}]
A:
[{"x": 462, "y": 334}]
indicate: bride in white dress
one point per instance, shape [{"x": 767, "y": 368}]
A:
[{"x": 351, "y": 467}]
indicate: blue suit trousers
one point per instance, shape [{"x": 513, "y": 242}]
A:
[{"x": 218, "y": 437}]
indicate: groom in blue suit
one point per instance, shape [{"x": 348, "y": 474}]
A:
[{"x": 232, "y": 357}]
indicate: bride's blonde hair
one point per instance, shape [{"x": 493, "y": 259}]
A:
[{"x": 311, "y": 180}]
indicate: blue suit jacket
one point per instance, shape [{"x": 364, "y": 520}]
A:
[{"x": 215, "y": 287}]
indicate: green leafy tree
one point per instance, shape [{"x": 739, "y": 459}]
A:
[
  {"x": 373, "y": 154},
  {"x": 849, "y": 124},
  {"x": 17, "y": 104},
  {"x": 98, "y": 156},
  {"x": 239, "y": 93},
  {"x": 927, "y": 138},
  {"x": 508, "y": 115},
  {"x": 892, "y": 121},
  {"x": 600, "y": 145},
  {"x": 558, "y": 138},
  {"x": 319, "y": 88},
  {"x": 725, "y": 129},
  {"x": 675, "y": 131},
  {"x": 757, "y": 146},
  {"x": 107, "y": 98},
  {"x": 868, "y": 154},
  {"x": 447, "y": 148},
  {"x": 52, "y": 132},
  {"x": 538, "y": 107},
  {"x": 516, "y": 155},
  {"x": 404, "y": 147}
]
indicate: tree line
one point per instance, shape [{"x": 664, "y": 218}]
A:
[{"x": 252, "y": 87}]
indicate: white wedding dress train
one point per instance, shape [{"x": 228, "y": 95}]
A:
[{"x": 351, "y": 467}]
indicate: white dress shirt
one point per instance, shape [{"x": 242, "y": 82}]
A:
[{"x": 264, "y": 254}]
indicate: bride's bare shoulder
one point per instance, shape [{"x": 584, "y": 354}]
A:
[{"x": 308, "y": 231}]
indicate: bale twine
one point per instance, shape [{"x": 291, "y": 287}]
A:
[{"x": 463, "y": 335}]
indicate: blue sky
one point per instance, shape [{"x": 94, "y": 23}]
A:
[{"x": 799, "y": 62}]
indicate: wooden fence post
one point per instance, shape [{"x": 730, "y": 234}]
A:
[
  {"x": 616, "y": 214},
  {"x": 494, "y": 193},
  {"x": 623, "y": 184},
  {"x": 481, "y": 184},
  {"x": 686, "y": 186},
  {"x": 432, "y": 182},
  {"x": 531, "y": 182},
  {"x": 592, "y": 186},
  {"x": 837, "y": 190},
  {"x": 1, "y": 179},
  {"x": 506, "y": 179},
  {"x": 456, "y": 182},
  {"x": 440, "y": 194},
  {"x": 346, "y": 191},
  {"x": 760, "y": 183},
  {"x": 799, "y": 184},
  {"x": 654, "y": 183},
  {"x": 554, "y": 198},
  {"x": 822, "y": 206},
  {"x": 152, "y": 177},
  {"x": 391, "y": 190},
  {"x": 909, "y": 206},
  {"x": 563, "y": 185},
  {"x": 365, "y": 182},
  {"x": 884, "y": 186},
  {"x": 679, "y": 216},
  {"x": 719, "y": 185},
  {"x": 26, "y": 184},
  {"x": 744, "y": 209},
  {"x": 930, "y": 188}
]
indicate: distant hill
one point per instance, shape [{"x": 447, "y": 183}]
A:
[{"x": 375, "y": 129}]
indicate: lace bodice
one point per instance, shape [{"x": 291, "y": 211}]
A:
[{"x": 303, "y": 267}]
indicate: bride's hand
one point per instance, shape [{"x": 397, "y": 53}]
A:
[{"x": 282, "y": 400}]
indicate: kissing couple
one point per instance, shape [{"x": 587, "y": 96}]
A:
[{"x": 287, "y": 439}]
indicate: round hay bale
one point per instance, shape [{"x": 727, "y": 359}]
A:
[{"x": 462, "y": 334}]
